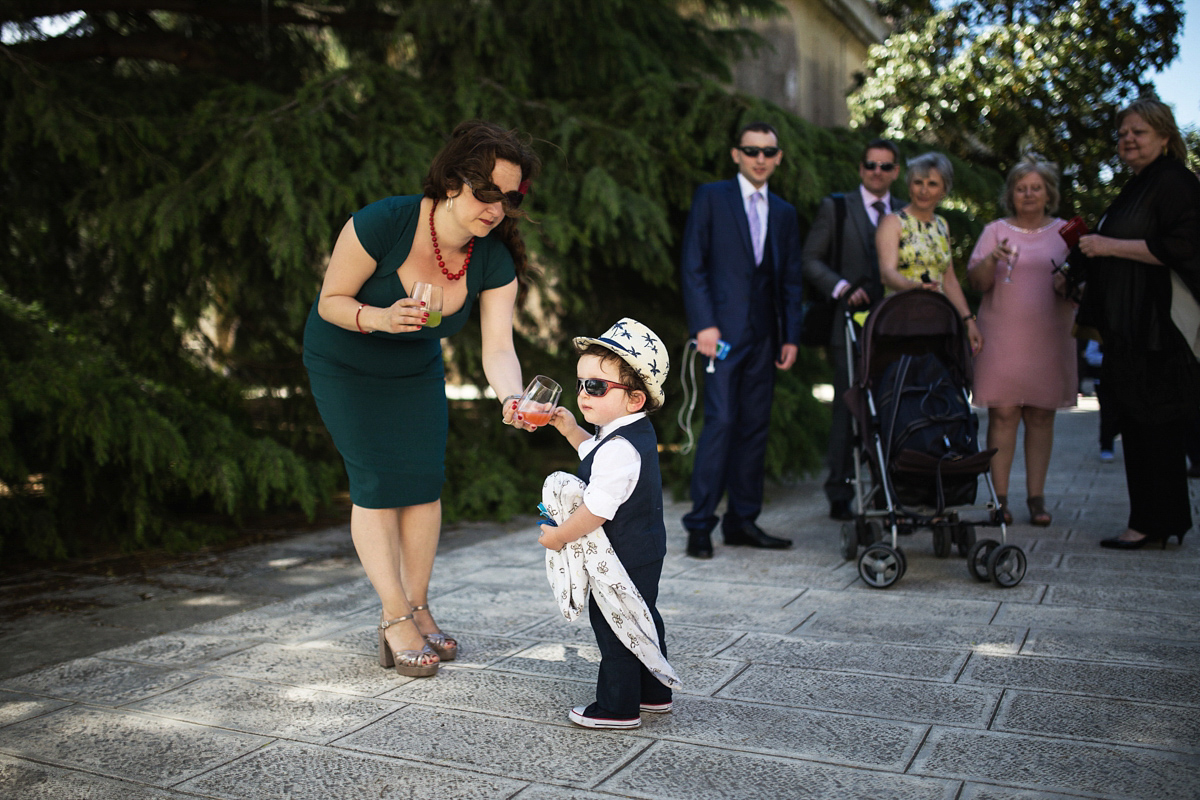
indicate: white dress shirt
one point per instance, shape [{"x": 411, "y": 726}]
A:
[{"x": 615, "y": 470}]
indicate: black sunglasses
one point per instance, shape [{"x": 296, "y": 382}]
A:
[
  {"x": 489, "y": 193},
  {"x": 597, "y": 387},
  {"x": 769, "y": 152},
  {"x": 885, "y": 166}
]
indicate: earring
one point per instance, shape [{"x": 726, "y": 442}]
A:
[{"x": 449, "y": 203}]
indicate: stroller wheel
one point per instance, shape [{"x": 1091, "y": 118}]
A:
[
  {"x": 977, "y": 558},
  {"x": 1006, "y": 565},
  {"x": 880, "y": 566},
  {"x": 941, "y": 542},
  {"x": 965, "y": 537},
  {"x": 849, "y": 541}
]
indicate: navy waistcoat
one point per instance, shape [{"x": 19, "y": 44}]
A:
[{"x": 637, "y": 532}]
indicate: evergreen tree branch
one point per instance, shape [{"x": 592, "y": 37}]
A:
[{"x": 306, "y": 14}]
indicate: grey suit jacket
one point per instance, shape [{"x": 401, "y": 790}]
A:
[{"x": 859, "y": 259}]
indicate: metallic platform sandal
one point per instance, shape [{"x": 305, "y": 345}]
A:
[
  {"x": 406, "y": 662},
  {"x": 445, "y": 646}
]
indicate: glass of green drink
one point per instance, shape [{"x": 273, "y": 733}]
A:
[{"x": 431, "y": 296}]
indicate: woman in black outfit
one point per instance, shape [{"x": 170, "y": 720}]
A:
[{"x": 1151, "y": 230}]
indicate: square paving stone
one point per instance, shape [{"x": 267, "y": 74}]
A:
[
  {"x": 681, "y": 639},
  {"x": 287, "y": 771},
  {"x": 990, "y": 638},
  {"x": 1154, "y": 624},
  {"x": 177, "y": 649},
  {"x": 268, "y": 626},
  {"x": 1103, "y": 566},
  {"x": 1080, "y": 677},
  {"x": 15, "y": 707},
  {"x": 1057, "y": 765},
  {"x": 327, "y": 670},
  {"x": 874, "y": 604},
  {"x": 503, "y": 694},
  {"x": 1119, "y": 721},
  {"x": 285, "y": 711},
  {"x": 774, "y": 572},
  {"x": 1108, "y": 596},
  {"x": 887, "y": 659},
  {"x": 982, "y": 791},
  {"x": 915, "y": 701},
  {"x": 1125, "y": 581},
  {"x": 1112, "y": 647},
  {"x": 581, "y": 662},
  {"x": 498, "y": 746},
  {"x": 95, "y": 680},
  {"x": 728, "y": 606},
  {"x": 494, "y": 610},
  {"x": 121, "y": 744},
  {"x": 25, "y": 780},
  {"x": 671, "y": 771},
  {"x": 790, "y": 732}
]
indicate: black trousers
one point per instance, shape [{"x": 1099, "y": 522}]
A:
[
  {"x": 624, "y": 683},
  {"x": 1156, "y": 474},
  {"x": 841, "y": 434}
]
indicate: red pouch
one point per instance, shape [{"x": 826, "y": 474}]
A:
[{"x": 1072, "y": 231}]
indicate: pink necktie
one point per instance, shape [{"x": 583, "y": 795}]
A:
[{"x": 756, "y": 237}]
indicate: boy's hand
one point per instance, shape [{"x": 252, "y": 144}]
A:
[
  {"x": 549, "y": 538},
  {"x": 563, "y": 421}
]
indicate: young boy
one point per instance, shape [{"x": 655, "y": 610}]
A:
[{"x": 620, "y": 380}]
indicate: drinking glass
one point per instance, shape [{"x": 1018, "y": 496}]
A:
[
  {"x": 1015, "y": 253},
  {"x": 537, "y": 405},
  {"x": 431, "y": 296}
]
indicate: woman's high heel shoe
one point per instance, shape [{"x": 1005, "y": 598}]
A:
[
  {"x": 409, "y": 663},
  {"x": 445, "y": 646}
]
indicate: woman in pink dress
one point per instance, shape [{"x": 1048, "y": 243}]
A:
[{"x": 1028, "y": 370}]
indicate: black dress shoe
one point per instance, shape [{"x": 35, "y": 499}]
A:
[
  {"x": 1117, "y": 543},
  {"x": 751, "y": 535},
  {"x": 840, "y": 509},
  {"x": 699, "y": 544}
]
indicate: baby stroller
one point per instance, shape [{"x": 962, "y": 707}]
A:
[{"x": 917, "y": 438}]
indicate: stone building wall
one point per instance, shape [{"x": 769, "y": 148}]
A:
[{"x": 811, "y": 56}]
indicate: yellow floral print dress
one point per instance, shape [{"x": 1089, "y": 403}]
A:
[{"x": 924, "y": 248}]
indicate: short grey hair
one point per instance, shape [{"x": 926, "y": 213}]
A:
[
  {"x": 1028, "y": 165},
  {"x": 922, "y": 165}
]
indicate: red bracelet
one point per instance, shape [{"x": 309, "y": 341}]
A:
[{"x": 361, "y": 306}]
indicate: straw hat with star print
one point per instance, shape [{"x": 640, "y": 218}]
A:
[{"x": 640, "y": 348}]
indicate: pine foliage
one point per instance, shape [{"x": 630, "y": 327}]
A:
[{"x": 175, "y": 178}]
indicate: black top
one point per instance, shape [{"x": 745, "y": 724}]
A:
[{"x": 1129, "y": 302}]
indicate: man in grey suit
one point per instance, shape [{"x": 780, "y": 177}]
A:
[{"x": 859, "y": 265}]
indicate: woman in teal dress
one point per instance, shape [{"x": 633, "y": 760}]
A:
[
  {"x": 914, "y": 243},
  {"x": 376, "y": 370}
]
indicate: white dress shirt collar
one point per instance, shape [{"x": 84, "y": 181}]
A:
[
  {"x": 869, "y": 200},
  {"x": 747, "y": 188}
]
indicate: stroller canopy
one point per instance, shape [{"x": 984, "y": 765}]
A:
[{"x": 915, "y": 322}]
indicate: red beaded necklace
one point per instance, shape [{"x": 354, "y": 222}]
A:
[{"x": 437, "y": 253}]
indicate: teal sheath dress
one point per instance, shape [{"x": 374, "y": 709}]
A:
[{"x": 382, "y": 396}]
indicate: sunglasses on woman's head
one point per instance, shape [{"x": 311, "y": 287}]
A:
[
  {"x": 489, "y": 193},
  {"x": 597, "y": 387},
  {"x": 769, "y": 152}
]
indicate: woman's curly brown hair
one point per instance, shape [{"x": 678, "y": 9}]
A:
[{"x": 471, "y": 154}]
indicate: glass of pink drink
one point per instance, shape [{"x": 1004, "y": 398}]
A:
[{"x": 537, "y": 405}]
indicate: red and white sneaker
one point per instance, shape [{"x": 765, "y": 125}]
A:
[{"x": 592, "y": 717}]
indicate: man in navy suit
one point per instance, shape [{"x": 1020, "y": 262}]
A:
[
  {"x": 741, "y": 284},
  {"x": 862, "y": 210}
]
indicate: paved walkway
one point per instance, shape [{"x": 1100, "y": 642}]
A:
[{"x": 1083, "y": 681}]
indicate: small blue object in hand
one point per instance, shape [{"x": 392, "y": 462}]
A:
[{"x": 546, "y": 518}]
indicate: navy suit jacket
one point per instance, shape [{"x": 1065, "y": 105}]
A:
[{"x": 718, "y": 263}]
